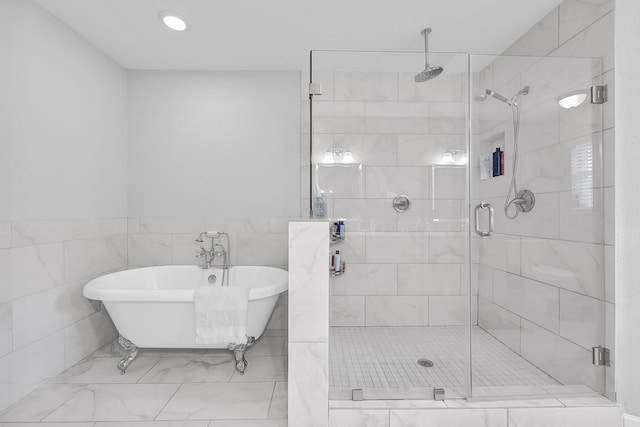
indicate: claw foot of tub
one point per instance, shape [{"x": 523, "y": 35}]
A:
[
  {"x": 131, "y": 353},
  {"x": 239, "y": 353}
]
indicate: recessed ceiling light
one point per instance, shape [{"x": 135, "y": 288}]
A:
[{"x": 173, "y": 20}]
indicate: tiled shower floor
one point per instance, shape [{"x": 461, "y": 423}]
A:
[
  {"x": 164, "y": 388},
  {"x": 378, "y": 358}
]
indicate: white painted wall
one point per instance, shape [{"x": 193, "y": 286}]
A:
[
  {"x": 214, "y": 144},
  {"x": 67, "y": 110},
  {"x": 627, "y": 33},
  {"x": 63, "y": 175}
]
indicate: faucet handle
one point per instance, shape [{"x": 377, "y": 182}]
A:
[{"x": 200, "y": 252}]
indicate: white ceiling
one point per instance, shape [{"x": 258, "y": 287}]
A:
[{"x": 278, "y": 34}]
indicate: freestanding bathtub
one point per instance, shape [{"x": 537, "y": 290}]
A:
[{"x": 153, "y": 307}]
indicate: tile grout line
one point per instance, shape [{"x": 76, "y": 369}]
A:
[{"x": 167, "y": 402}]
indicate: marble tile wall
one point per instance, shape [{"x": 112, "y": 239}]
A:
[
  {"x": 46, "y": 325},
  {"x": 546, "y": 279},
  {"x": 309, "y": 324},
  {"x": 402, "y": 268}
]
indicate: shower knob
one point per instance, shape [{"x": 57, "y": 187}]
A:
[{"x": 401, "y": 203}]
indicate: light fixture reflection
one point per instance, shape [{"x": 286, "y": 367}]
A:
[
  {"x": 338, "y": 155},
  {"x": 173, "y": 20},
  {"x": 454, "y": 157},
  {"x": 572, "y": 99}
]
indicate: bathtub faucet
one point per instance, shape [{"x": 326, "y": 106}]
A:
[{"x": 216, "y": 251}]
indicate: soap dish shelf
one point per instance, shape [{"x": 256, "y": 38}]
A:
[
  {"x": 340, "y": 272},
  {"x": 335, "y": 238}
]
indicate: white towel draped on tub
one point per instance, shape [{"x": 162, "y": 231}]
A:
[{"x": 221, "y": 314}]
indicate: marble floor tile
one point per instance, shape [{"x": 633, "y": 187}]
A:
[
  {"x": 278, "y": 408},
  {"x": 41, "y": 402},
  {"x": 190, "y": 369},
  {"x": 183, "y": 351},
  {"x": 219, "y": 401},
  {"x": 248, "y": 423},
  {"x": 115, "y": 402},
  {"x": 267, "y": 346},
  {"x": 152, "y": 424},
  {"x": 89, "y": 424},
  {"x": 100, "y": 370},
  {"x": 263, "y": 368}
]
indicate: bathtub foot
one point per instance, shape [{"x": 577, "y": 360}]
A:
[
  {"x": 239, "y": 352},
  {"x": 132, "y": 352}
]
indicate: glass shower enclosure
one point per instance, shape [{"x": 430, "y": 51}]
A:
[{"x": 442, "y": 294}]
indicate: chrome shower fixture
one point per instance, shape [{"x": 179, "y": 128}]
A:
[
  {"x": 429, "y": 72},
  {"x": 488, "y": 92},
  {"x": 523, "y": 200}
]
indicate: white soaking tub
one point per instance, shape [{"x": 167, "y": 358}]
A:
[{"x": 153, "y": 307}]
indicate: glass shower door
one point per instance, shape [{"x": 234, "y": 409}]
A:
[
  {"x": 388, "y": 159},
  {"x": 537, "y": 226}
]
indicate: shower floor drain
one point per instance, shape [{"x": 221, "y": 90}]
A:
[{"x": 425, "y": 363}]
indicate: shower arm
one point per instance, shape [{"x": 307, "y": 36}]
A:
[{"x": 426, "y": 32}]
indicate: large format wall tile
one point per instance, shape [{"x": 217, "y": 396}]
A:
[
  {"x": 527, "y": 298},
  {"x": 309, "y": 384},
  {"x": 563, "y": 360},
  {"x": 429, "y": 279},
  {"x": 149, "y": 249},
  {"x": 581, "y": 319},
  {"x": 368, "y": 279},
  {"x": 576, "y": 15},
  {"x": 425, "y": 150},
  {"x": 388, "y": 182},
  {"x": 358, "y": 418},
  {"x": 577, "y": 267},
  {"x": 449, "y": 418},
  {"x": 26, "y": 369},
  {"x": 365, "y": 86},
  {"x": 36, "y": 316},
  {"x": 308, "y": 243},
  {"x": 500, "y": 323},
  {"x": 31, "y": 269},
  {"x": 565, "y": 417},
  {"x": 446, "y": 310},
  {"x": 397, "y": 117},
  {"x": 447, "y": 248},
  {"x": 541, "y": 39},
  {"x": 335, "y": 117},
  {"x": 448, "y": 88},
  {"x": 500, "y": 252},
  {"x": 86, "y": 258},
  {"x": 397, "y": 311},
  {"x": 366, "y": 214},
  {"x": 6, "y": 328},
  {"x": 5, "y": 234},
  {"x": 369, "y": 149},
  {"x": 394, "y": 248},
  {"x": 346, "y": 310}
]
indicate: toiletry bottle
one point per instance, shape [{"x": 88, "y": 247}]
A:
[
  {"x": 319, "y": 206},
  {"x": 341, "y": 233},
  {"x": 336, "y": 262}
]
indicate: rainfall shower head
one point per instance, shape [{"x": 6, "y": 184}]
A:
[{"x": 429, "y": 72}]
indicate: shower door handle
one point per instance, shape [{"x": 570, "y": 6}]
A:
[{"x": 479, "y": 231}]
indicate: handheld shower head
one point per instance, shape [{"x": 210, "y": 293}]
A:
[{"x": 497, "y": 96}]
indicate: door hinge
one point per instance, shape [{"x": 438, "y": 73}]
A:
[
  {"x": 315, "y": 88},
  {"x": 601, "y": 356},
  {"x": 599, "y": 94},
  {"x": 438, "y": 394}
]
